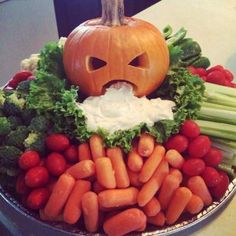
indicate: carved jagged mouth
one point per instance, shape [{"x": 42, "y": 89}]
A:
[{"x": 118, "y": 84}]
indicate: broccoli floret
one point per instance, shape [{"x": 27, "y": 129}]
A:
[
  {"x": 15, "y": 121},
  {"x": 35, "y": 141},
  {"x": 1, "y": 113},
  {"x": 27, "y": 115},
  {"x": 5, "y": 126},
  {"x": 39, "y": 124},
  {"x": 23, "y": 88},
  {"x": 9, "y": 155},
  {"x": 13, "y": 105},
  {"x": 17, "y": 137},
  {"x": 2, "y": 98}
]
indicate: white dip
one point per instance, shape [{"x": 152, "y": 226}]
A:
[{"x": 119, "y": 109}]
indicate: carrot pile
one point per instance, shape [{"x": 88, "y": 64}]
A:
[{"x": 123, "y": 194}]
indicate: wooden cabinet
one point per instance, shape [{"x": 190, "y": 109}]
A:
[{"x": 71, "y": 13}]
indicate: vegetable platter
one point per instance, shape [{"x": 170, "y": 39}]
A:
[{"x": 119, "y": 128}]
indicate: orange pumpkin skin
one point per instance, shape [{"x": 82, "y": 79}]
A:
[{"x": 135, "y": 52}]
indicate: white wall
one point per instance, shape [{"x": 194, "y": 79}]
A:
[{"x": 25, "y": 26}]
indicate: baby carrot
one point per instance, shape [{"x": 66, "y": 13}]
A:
[
  {"x": 158, "y": 220},
  {"x": 105, "y": 172},
  {"x": 84, "y": 152},
  {"x": 198, "y": 187},
  {"x": 125, "y": 222},
  {"x": 170, "y": 184},
  {"x": 82, "y": 169},
  {"x": 152, "y": 207},
  {"x": 134, "y": 178},
  {"x": 116, "y": 156},
  {"x": 150, "y": 188},
  {"x": 72, "y": 210},
  {"x": 47, "y": 218},
  {"x": 118, "y": 197},
  {"x": 151, "y": 163},
  {"x": 177, "y": 204},
  {"x": 135, "y": 161},
  {"x": 146, "y": 145},
  {"x": 195, "y": 205},
  {"x": 90, "y": 210},
  {"x": 96, "y": 147},
  {"x": 174, "y": 158},
  {"x": 59, "y": 196},
  {"x": 177, "y": 173}
]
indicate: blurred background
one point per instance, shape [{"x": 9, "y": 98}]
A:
[{"x": 26, "y": 25}]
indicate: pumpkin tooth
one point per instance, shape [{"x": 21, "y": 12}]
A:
[{"x": 117, "y": 84}]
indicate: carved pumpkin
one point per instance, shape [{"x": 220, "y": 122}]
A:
[{"x": 115, "y": 48}]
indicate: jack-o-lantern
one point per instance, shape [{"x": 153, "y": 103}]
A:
[{"x": 114, "y": 48}]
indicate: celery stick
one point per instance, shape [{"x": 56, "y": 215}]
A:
[
  {"x": 219, "y": 98},
  {"x": 217, "y": 106},
  {"x": 214, "y": 114},
  {"x": 228, "y": 169},
  {"x": 227, "y": 143},
  {"x": 231, "y": 92}
]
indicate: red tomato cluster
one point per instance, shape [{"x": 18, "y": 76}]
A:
[
  {"x": 19, "y": 77},
  {"x": 200, "y": 157},
  {"x": 216, "y": 75},
  {"x": 39, "y": 174}
]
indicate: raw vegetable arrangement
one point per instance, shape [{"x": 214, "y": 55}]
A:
[{"x": 118, "y": 182}]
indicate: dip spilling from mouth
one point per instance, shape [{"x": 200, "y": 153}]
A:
[{"x": 119, "y": 109}]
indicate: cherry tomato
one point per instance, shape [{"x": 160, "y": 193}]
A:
[
  {"x": 21, "y": 187},
  {"x": 215, "y": 68},
  {"x": 37, "y": 198},
  {"x": 213, "y": 158},
  {"x": 219, "y": 190},
  {"x": 199, "y": 146},
  {"x": 201, "y": 71},
  {"x": 29, "y": 159},
  {"x": 36, "y": 177},
  {"x": 211, "y": 176},
  {"x": 18, "y": 77},
  {"x": 193, "y": 167},
  {"x": 190, "y": 129},
  {"x": 177, "y": 142},
  {"x": 56, "y": 164},
  {"x": 57, "y": 142},
  {"x": 71, "y": 154},
  {"x": 228, "y": 75},
  {"x": 216, "y": 77}
]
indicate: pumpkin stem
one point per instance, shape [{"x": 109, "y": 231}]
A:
[{"x": 113, "y": 12}]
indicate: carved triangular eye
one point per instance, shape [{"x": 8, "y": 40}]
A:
[
  {"x": 140, "y": 61},
  {"x": 95, "y": 63}
]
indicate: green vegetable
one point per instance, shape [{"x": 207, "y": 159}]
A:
[
  {"x": 186, "y": 90},
  {"x": 13, "y": 104},
  {"x": 217, "y": 116},
  {"x": 202, "y": 62},
  {"x": 35, "y": 141},
  {"x": 5, "y": 126},
  {"x": 17, "y": 137},
  {"x": 183, "y": 51},
  {"x": 51, "y": 60},
  {"x": 2, "y": 98},
  {"x": 39, "y": 124},
  {"x": 167, "y": 31},
  {"x": 15, "y": 121},
  {"x": 23, "y": 88},
  {"x": 9, "y": 155},
  {"x": 45, "y": 91}
]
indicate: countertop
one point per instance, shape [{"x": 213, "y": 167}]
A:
[{"x": 212, "y": 24}]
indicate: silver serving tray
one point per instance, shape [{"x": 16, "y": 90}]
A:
[{"x": 76, "y": 230}]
